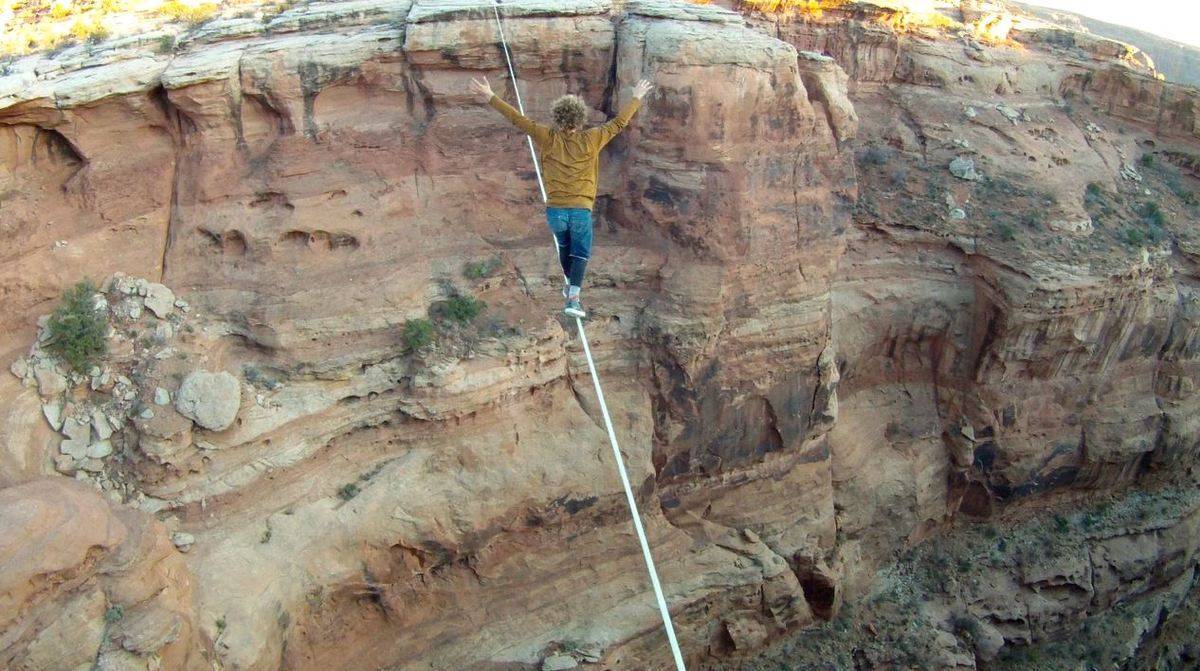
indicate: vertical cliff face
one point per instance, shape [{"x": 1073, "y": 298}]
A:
[{"x": 838, "y": 300}]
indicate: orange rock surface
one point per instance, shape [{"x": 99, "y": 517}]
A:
[{"x": 818, "y": 344}]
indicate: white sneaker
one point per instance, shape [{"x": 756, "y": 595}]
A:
[{"x": 574, "y": 308}]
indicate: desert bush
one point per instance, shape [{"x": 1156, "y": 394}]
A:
[
  {"x": 1007, "y": 232},
  {"x": 459, "y": 308},
  {"x": 418, "y": 333},
  {"x": 90, "y": 31},
  {"x": 76, "y": 329},
  {"x": 1174, "y": 181},
  {"x": 813, "y": 8},
  {"x": 193, "y": 15},
  {"x": 477, "y": 270},
  {"x": 1153, "y": 215},
  {"x": 348, "y": 491},
  {"x": 262, "y": 378},
  {"x": 1133, "y": 237},
  {"x": 875, "y": 155}
]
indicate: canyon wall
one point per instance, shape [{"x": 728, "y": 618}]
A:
[{"x": 822, "y": 336}]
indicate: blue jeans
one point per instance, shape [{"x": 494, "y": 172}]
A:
[{"x": 572, "y": 228}]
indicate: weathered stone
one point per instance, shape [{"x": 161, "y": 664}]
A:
[
  {"x": 120, "y": 660},
  {"x": 91, "y": 464},
  {"x": 183, "y": 540},
  {"x": 210, "y": 399},
  {"x": 148, "y": 630},
  {"x": 559, "y": 663},
  {"x": 988, "y": 641},
  {"x": 100, "y": 424},
  {"x": 163, "y": 332},
  {"x": 99, "y": 449},
  {"x": 964, "y": 168},
  {"x": 19, "y": 367},
  {"x": 161, "y": 396},
  {"x": 78, "y": 437},
  {"x": 1009, "y": 113},
  {"x": 73, "y": 636},
  {"x": 160, "y": 300},
  {"x": 50, "y": 382},
  {"x": 67, "y": 553},
  {"x": 165, "y": 436},
  {"x": 64, "y": 463},
  {"x": 53, "y": 412}
]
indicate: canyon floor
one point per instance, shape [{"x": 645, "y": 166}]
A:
[{"x": 897, "y": 312}]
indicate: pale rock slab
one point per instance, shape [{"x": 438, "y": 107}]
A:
[
  {"x": 50, "y": 382},
  {"x": 160, "y": 300},
  {"x": 559, "y": 663},
  {"x": 99, "y": 449}
]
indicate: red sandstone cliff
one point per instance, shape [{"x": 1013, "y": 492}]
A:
[{"x": 820, "y": 344}]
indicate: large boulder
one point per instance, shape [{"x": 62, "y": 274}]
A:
[
  {"x": 209, "y": 399},
  {"x": 160, "y": 300}
]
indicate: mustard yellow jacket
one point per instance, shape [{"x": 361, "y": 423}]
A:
[{"x": 570, "y": 160}]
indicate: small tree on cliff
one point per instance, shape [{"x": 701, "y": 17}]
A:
[{"x": 77, "y": 329}]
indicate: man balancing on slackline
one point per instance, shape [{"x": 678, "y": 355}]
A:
[{"x": 570, "y": 160}]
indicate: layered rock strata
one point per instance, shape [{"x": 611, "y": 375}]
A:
[{"x": 819, "y": 344}]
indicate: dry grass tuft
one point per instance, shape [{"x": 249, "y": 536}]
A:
[{"x": 29, "y": 26}]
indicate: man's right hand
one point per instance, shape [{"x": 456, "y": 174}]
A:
[{"x": 482, "y": 88}]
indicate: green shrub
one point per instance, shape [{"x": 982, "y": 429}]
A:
[
  {"x": 166, "y": 44},
  {"x": 1006, "y": 232},
  {"x": 77, "y": 330},
  {"x": 1147, "y": 160},
  {"x": 1153, "y": 215},
  {"x": 348, "y": 491},
  {"x": 114, "y": 614},
  {"x": 1133, "y": 237},
  {"x": 418, "y": 333},
  {"x": 477, "y": 270},
  {"x": 459, "y": 308},
  {"x": 1035, "y": 219},
  {"x": 875, "y": 155},
  {"x": 264, "y": 379}
]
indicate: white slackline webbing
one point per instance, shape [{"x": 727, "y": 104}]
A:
[{"x": 587, "y": 352}]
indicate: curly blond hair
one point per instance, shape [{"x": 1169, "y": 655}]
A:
[{"x": 570, "y": 113}]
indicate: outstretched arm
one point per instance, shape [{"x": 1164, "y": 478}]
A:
[
  {"x": 610, "y": 130},
  {"x": 538, "y": 132}
]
